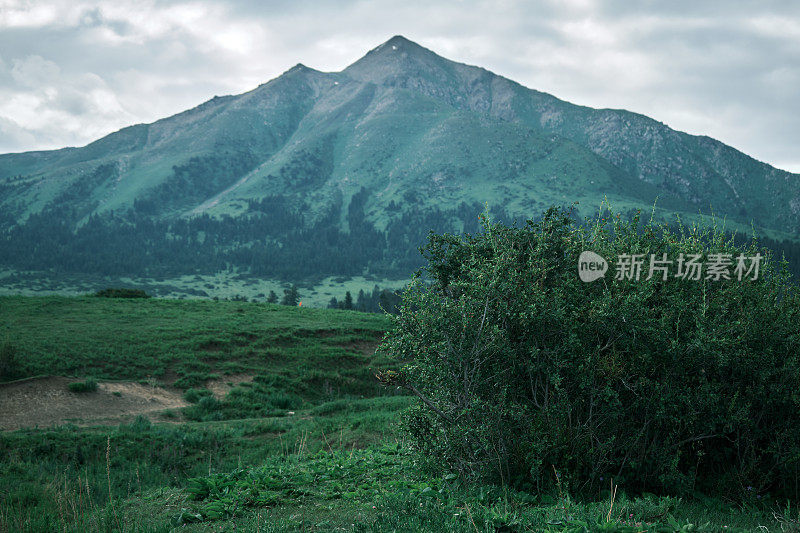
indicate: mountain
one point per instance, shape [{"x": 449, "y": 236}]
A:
[{"x": 315, "y": 174}]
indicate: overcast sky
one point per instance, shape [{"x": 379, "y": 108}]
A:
[{"x": 72, "y": 71}]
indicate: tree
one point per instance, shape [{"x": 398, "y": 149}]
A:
[
  {"x": 333, "y": 303},
  {"x": 672, "y": 385},
  {"x": 290, "y": 296},
  {"x": 361, "y": 301},
  {"x": 388, "y": 301},
  {"x": 272, "y": 298},
  {"x": 348, "y": 301}
]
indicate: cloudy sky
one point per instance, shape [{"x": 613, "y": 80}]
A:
[{"x": 73, "y": 70}]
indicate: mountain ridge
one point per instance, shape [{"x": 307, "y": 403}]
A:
[{"x": 400, "y": 134}]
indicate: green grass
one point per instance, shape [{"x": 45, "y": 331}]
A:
[
  {"x": 191, "y": 340},
  {"x": 87, "y": 385},
  {"x": 147, "y": 458},
  {"x": 253, "y": 460}
]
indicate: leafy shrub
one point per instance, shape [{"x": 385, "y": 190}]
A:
[
  {"x": 138, "y": 426},
  {"x": 282, "y": 400},
  {"x": 193, "y": 379},
  {"x": 88, "y": 385},
  {"x": 195, "y": 395},
  {"x": 246, "y": 400},
  {"x": 526, "y": 372},
  {"x": 208, "y": 403},
  {"x": 206, "y": 409},
  {"x": 9, "y": 364},
  {"x": 260, "y": 400},
  {"x": 121, "y": 293}
]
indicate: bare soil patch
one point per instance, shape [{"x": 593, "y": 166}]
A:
[{"x": 47, "y": 401}]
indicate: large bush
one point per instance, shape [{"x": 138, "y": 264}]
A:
[{"x": 526, "y": 373}]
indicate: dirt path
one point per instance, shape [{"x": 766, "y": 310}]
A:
[{"x": 47, "y": 401}]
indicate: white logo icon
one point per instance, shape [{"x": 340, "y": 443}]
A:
[{"x": 591, "y": 266}]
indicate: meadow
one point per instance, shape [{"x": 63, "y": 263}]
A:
[{"x": 283, "y": 427}]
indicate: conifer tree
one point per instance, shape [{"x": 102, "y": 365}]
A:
[
  {"x": 348, "y": 300},
  {"x": 290, "y": 296}
]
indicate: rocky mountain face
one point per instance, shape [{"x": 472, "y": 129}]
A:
[{"x": 319, "y": 173}]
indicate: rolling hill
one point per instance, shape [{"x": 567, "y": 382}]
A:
[{"x": 317, "y": 174}]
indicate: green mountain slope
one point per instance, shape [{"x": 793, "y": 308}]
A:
[
  {"x": 700, "y": 170},
  {"x": 315, "y": 174}
]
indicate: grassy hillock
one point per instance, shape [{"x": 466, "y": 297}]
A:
[
  {"x": 187, "y": 343},
  {"x": 303, "y": 440}
]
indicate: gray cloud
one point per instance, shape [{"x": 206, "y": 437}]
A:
[{"x": 72, "y": 71}]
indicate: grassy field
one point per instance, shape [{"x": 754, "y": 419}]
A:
[
  {"x": 162, "y": 338},
  {"x": 301, "y": 439},
  {"x": 223, "y": 285}
]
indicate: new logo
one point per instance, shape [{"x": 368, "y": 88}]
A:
[{"x": 591, "y": 266}]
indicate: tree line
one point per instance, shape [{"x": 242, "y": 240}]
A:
[
  {"x": 377, "y": 301},
  {"x": 275, "y": 240}
]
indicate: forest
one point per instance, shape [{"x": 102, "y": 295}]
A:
[{"x": 274, "y": 240}]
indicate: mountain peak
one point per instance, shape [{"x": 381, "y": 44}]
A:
[
  {"x": 399, "y": 41},
  {"x": 399, "y": 59},
  {"x": 301, "y": 68},
  {"x": 399, "y": 45}
]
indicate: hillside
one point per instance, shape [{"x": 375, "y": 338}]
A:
[
  {"x": 319, "y": 174},
  {"x": 281, "y": 426}
]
